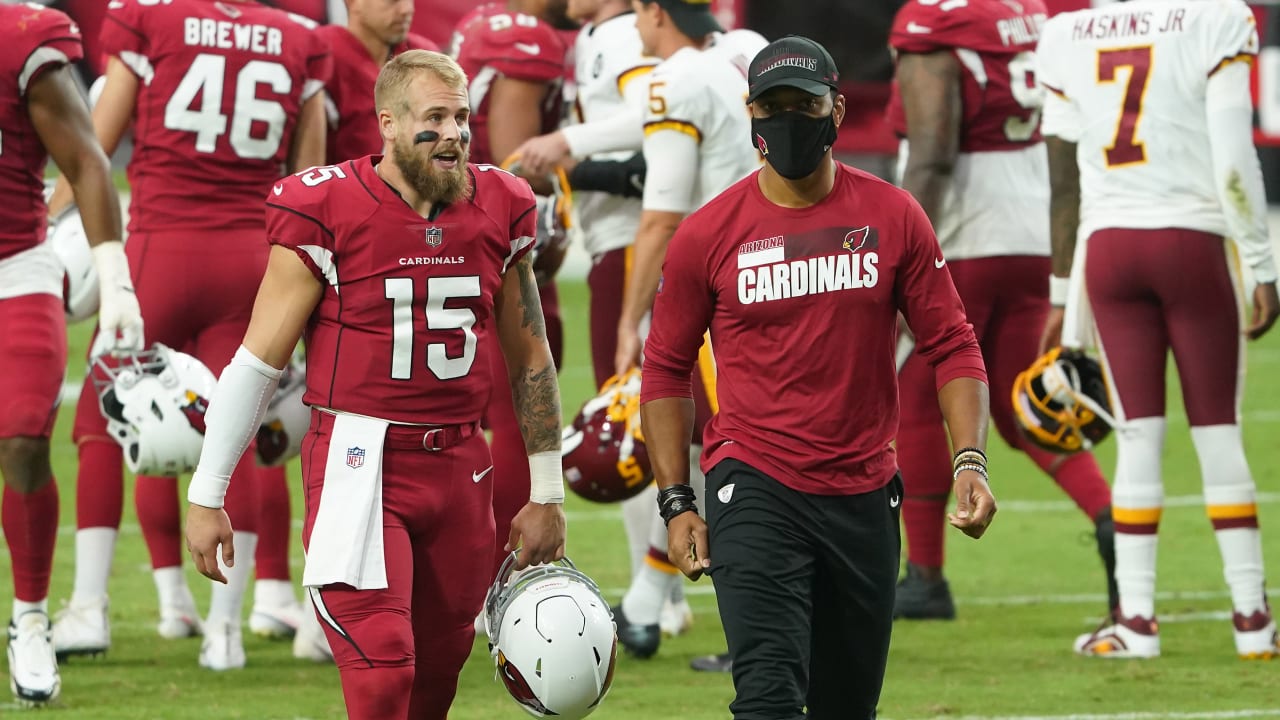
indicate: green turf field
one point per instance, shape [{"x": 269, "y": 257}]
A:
[{"x": 1023, "y": 593}]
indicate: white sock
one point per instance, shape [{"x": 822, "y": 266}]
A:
[
  {"x": 171, "y": 585},
  {"x": 22, "y": 607},
  {"x": 273, "y": 594},
  {"x": 1137, "y": 498},
  {"x": 1230, "y": 498},
  {"x": 226, "y": 602},
  {"x": 95, "y": 548},
  {"x": 637, "y": 518},
  {"x": 651, "y": 587},
  {"x": 677, "y": 593}
]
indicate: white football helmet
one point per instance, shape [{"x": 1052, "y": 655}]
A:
[
  {"x": 287, "y": 418},
  {"x": 154, "y": 402},
  {"x": 553, "y": 638},
  {"x": 79, "y": 279}
]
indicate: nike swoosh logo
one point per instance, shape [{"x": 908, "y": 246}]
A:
[
  {"x": 918, "y": 29},
  {"x": 531, "y": 48},
  {"x": 939, "y": 263},
  {"x": 895, "y": 501},
  {"x": 278, "y": 189},
  {"x": 478, "y": 476}
]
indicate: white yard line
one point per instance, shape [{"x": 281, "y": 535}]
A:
[{"x": 1215, "y": 715}]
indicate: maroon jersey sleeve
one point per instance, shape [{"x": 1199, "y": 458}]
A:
[
  {"x": 319, "y": 69},
  {"x": 522, "y": 222},
  {"x": 47, "y": 39},
  {"x": 681, "y": 315},
  {"x": 297, "y": 218},
  {"x": 44, "y": 40},
  {"x": 928, "y": 300},
  {"x": 124, "y": 35}
]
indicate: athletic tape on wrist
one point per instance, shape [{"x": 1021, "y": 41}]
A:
[{"x": 546, "y": 478}]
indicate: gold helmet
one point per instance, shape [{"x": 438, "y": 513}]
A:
[{"x": 1062, "y": 403}]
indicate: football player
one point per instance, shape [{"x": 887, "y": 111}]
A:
[
  {"x": 694, "y": 125},
  {"x": 220, "y": 96},
  {"x": 391, "y": 558},
  {"x": 376, "y": 31},
  {"x": 514, "y": 57},
  {"x": 1151, "y": 159},
  {"x": 43, "y": 113},
  {"x": 966, "y": 104}
]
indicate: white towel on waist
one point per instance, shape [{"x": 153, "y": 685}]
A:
[
  {"x": 346, "y": 540},
  {"x": 1077, "y": 321}
]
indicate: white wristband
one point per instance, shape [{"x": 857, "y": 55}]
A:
[
  {"x": 1059, "y": 288},
  {"x": 111, "y": 264},
  {"x": 546, "y": 478}
]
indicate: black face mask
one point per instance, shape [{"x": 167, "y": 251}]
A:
[{"x": 792, "y": 142}]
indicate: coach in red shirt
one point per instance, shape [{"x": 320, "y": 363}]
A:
[{"x": 799, "y": 271}]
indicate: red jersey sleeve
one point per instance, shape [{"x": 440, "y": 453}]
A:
[
  {"x": 518, "y": 49},
  {"x": 920, "y": 28},
  {"x": 319, "y": 63},
  {"x": 124, "y": 35},
  {"x": 928, "y": 300},
  {"x": 681, "y": 315},
  {"x": 523, "y": 219},
  {"x": 47, "y": 40},
  {"x": 297, "y": 217}
]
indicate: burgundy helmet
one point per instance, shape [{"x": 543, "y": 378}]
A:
[{"x": 604, "y": 455}]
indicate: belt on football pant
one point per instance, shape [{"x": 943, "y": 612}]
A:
[{"x": 432, "y": 438}]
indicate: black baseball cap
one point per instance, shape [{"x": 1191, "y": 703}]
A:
[
  {"x": 692, "y": 17},
  {"x": 792, "y": 61}
]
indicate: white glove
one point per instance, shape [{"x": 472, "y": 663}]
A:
[{"x": 119, "y": 318}]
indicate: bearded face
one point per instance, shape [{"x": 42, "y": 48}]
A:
[{"x": 441, "y": 176}]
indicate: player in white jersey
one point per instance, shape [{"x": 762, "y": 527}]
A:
[{"x": 1148, "y": 124}]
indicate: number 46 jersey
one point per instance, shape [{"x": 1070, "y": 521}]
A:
[
  {"x": 998, "y": 200},
  {"x": 220, "y": 88}
]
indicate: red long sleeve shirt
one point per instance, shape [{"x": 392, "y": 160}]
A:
[{"x": 802, "y": 307}]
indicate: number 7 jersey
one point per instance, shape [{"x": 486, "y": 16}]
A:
[
  {"x": 1127, "y": 83},
  {"x": 221, "y": 85}
]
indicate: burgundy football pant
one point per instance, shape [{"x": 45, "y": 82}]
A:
[
  {"x": 1153, "y": 291},
  {"x": 196, "y": 293},
  {"x": 399, "y": 650},
  {"x": 1006, "y": 299},
  {"x": 33, "y": 353}
]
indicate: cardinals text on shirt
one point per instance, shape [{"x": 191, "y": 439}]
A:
[{"x": 779, "y": 268}]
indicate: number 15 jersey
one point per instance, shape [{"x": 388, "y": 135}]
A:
[
  {"x": 220, "y": 86},
  {"x": 998, "y": 200},
  {"x": 408, "y": 300}
]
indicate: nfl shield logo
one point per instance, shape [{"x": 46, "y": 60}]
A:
[
  {"x": 435, "y": 236},
  {"x": 355, "y": 457}
]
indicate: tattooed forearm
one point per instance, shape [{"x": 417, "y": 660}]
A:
[
  {"x": 537, "y": 400},
  {"x": 1064, "y": 204},
  {"x": 530, "y": 300}
]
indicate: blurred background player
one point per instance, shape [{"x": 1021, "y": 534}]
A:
[
  {"x": 1152, "y": 163},
  {"x": 43, "y": 113},
  {"x": 966, "y": 104},
  {"x": 697, "y": 135},
  {"x": 514, "y": 56},
  {"x": 216, "y": 120},
  {"x": 376, "y": 31}
]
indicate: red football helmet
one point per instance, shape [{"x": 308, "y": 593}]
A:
[{"x": 604, "y": 455}]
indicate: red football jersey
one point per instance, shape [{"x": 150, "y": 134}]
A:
[
  {"x": 492, "y": 42},
  {"x": 43, "y": 39},
  {"x": 995, "y": 42},
  {"x": 802, "y": 305},
  {"x": 404, "y": 322},
  {"x": 222, "y": 85},
  {"x": 353, "y": 120}
]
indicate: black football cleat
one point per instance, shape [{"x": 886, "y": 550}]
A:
[
  {"x": 921, "y": 599},
  {"x": 721, "y": 663},
  {"x": 638, "y": 640}
]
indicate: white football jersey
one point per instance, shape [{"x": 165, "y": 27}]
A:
[
  {"x": 1126, "y": 82},
  {"x": 739, "y": 47},
  {"x": 697, "y": 131},
  {"x": 610, "y": 68}
]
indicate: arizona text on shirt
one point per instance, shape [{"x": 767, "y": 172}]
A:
[
  {"x": 1123, "y": 24},
  {"x": 227, "y": 35}
]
